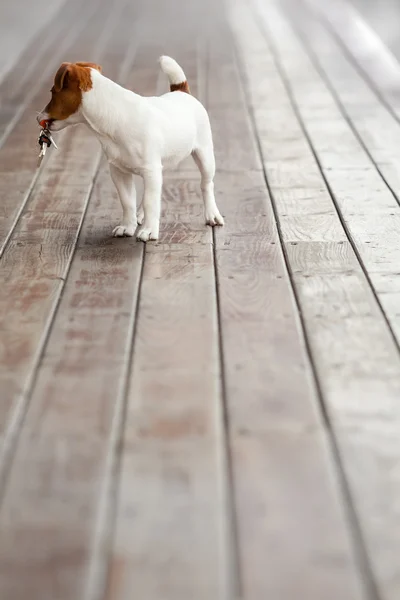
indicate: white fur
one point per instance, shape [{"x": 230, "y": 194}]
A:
[
  {"x": 142, "y": 135},
  {"x": 172, "y": 69}
]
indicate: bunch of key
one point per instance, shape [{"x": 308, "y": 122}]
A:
[{"x": 45, "y": 140}]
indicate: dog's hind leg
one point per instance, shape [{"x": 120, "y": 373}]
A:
[{"x": 204, "y": 159}]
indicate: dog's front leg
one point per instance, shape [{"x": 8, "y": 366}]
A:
[
  {"x": 125, "y": 185},
  {"x": 151, "y": 205}
]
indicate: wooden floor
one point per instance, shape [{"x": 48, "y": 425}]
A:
[{"x": 215, "y": 416}]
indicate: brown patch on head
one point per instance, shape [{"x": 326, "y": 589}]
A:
[
  {"x": 180, "y": 87},
  {"x": 66, "y": 94},
  {"x": 90, "y": 65}
]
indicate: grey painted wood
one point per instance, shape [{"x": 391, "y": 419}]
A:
[
  {"x": 359, "y": 380},
  {"x": 23, "y": 93},
  {"x": 367, "y": 205},
  {"x": 373, "y": 213},
  {"x": 69, "y": 440},
  {"x": 214, "y": 415},
  {"x": 373, "y": 58},
  {"x": 171, "y": 529},
  {"x": 24, "y": 23},
  {"x": 272, "y": 405}
]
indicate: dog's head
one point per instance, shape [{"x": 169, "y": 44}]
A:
[{"x": 71, "y": 81}]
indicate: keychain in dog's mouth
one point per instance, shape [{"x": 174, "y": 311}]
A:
[{"x": 45, "y": 140}]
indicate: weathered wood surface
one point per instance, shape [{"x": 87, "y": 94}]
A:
[
  {"x": 171, "y": 494},
  {"x": 215, "y": 415},
  {"x": 280, "y": 424},
  {"x": 24, "y": 24},
  {"x": 334, "y": 265}
]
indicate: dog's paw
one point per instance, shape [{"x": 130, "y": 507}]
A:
[
  {"x": 145, "y": 234},
  {"x": 140, "y": 215},
  {"x": 214, "y": 218},
  {"x": 124, "y": 231}
]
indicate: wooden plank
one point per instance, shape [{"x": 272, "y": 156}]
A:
[
  {"x": 373, "y": 224},
  {"x": 355, "y": 357},
  {"x": 20, "y": 101},
  {"x": 73, "y": 408},
  {"x": 241, "y": 152},
  {"x": 172, "y": 437},
  {"x": 36, "y": 262},
  {"x": 24, "y": 24},
  {"x": 37, "y": 63},
  {"x": 56, "y": 510},
  {"x": 284, "y": 474},
  {"x": 15, "y": 84},
  {"x": 372, "y": 57},
  {"x": 291, "y": 57},
  {"x": 170, "y": 539}
]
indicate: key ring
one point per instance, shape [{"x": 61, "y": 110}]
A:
[{"x": 44, "y": 139}]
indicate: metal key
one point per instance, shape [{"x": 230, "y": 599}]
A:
[
  {"x": 50, "y": 137},
  {"x": 42, "y": 153}
]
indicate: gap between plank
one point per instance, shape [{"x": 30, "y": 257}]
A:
[
  {"x": 300, "y": 120},
  {"x": 36, "y": 40},
  {"x": 321, "y": 18},
  {"x": 106, "y": 517},
  {"x": 230, "y": 531},
  {"x": 35, "y": 51},
  {"x": 325, "y": 78},
  {"x": 8, "y": 447},
  {"x": 106, "y": 514},
  {"x": 360, "y": 553},
  {"x": 21, "y": 406},
  {"x": 234, "y": 584},
  {"x": 68, "y": 40}
]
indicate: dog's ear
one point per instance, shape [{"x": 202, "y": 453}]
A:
[
  {"x": 90, "y": 65},
  {"x": 61, "y": 78}
]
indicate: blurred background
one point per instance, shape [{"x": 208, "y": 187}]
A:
[{"x": 384, "y": 17}]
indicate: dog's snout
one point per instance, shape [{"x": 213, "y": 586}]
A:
[{"x": 44, "y": 120}]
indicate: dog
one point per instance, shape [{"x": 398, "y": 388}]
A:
[{"x": 139, "y": 135}]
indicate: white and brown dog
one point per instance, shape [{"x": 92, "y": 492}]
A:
[{"x": 139, "y": 135}]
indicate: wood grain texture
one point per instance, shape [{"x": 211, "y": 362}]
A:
[
  {"x": 373, "y": 217},
  {"x": 273, "y": 415},
  {"x": 23, "y": 25},
  {"x": 75, "y": 405},
  {"x": 24, "y": 83},
  {"x": 37, "y": 259},
  {"x": 17, "y": 84},
  {"x": 330, "y": 254},
  {"x": 225, "y": 102},
  {"x": 22, "y": 96},
  {"x": 170, "y": 505},
  {"x": 170, "y": 539},
  {"x": 373, "y": 58},
  {"x": 359, "y": 379},
  {"x": 163, "y": 434},
  {"x": 67, "y": 431}
]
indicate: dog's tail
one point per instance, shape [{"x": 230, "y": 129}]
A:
[{"x": 176, "y": 76}]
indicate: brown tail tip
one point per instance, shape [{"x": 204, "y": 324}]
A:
[{"x": 180, "y": 87}]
